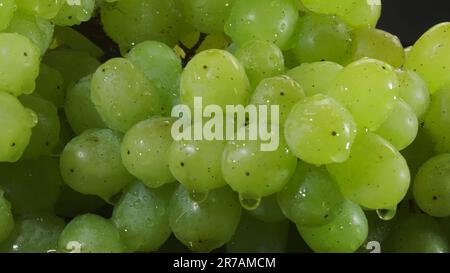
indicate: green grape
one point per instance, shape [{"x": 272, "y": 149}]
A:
[
  {"x": 315, "y": 78},
  {"x": 7, "y": 9},
  {"x": 368, "y": 88},
  {"x": 74, "y": 40},
  {"x": 419, "y": 151},
  {"x": 72, "y": 203},
  {"x": 6, "y": 217},
  {"x": 17, "y": 122},
  {"x": 416, "y": 233},
  {"x": 127, "y": 22},
  {"x": 431, "y": 186},
  {"x": 322, "y": 38},
  {"x": 49, "y": 85},
  {"x": 268, "y": 210},
  {"x": 38, "y": 30},
  {"x": 375, "y": 176},
  {"x": 145, "y": 151},
  {"x": 414, "y": 91},
  {"x": 207, "y": 225},
  {"x": 31, "y": 186},
  {"x": 357, "y": 13},
  {"x": 80, "y": 111},
  {"x": 437, "y": 118},
  {"x": 91, "y": 164},
  {"x": 74, "y": 12},
  {"x": 197, "y": 164},
  {"x": 90, "y": 233},
  {"x": 261, "y": 60},
  {"x": 45, "y": 135},
  {"x": 217, "y": 77},
  {"x": 430, "y": 57},
  {"x": 280, "y": 90},
  {"x": 377, "y": 44},
  {"x": 46, "y": 9},
  {"x": 254, "y": 236},
  {"x": 206, "y": 16},
  {"x": 268, "y": 20},
  {"x": 344, "y": 234},
  {"x": 319, "y": 130},
  {"x": 161, "y": 66},
  {"x": 311, "y": 198},
  {"x": 34, "y": 233},
  {"x": 122, "y": 94},
  {"x": 142, "y": 218},
  {"x": 19, "y": 67}
]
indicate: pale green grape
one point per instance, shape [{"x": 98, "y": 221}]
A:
[
  {"x": 375, "y": 176},
  {"x": 45, "y": 135},
  {"x": 17, "y": 122},
  {"x": 268, "y": 210},
  {"x": 72, "y": 39},
  {"x": 401, "y": 127},
  {"x": 207, "y": 225},
  {"x": 312, "y": 197},
  {"x": 19, "y": 67},
  {"x": 282, "y": 91},
  {"x": 91, "y": 164},
  {"x": 419, "y": 151},
  {"x": 74, "y": 12},
  {"x": 46, "y": 9},
  {"x": 80, "y": 111},
  {"x": 268, "y": 20},
  {"x": 72, "y": 203},
  {"x": 322, "y": 38},
  {"x": 49, "y": 85},
  {"x": 142, "y": 218},
  {"x": 319, "y": 130},
  {"x": 254, "y": 236},
  {"x": 217, "y": 77},
  {"x": 437, "y": 118},
  {"x": 261, "y": 60},
  {"x": 6, "y": 217},
  {"x": 7, "y": 9},
  {"x": 368, "y": 88},
  {"x": 90, "y": 233},
  {"x": 430, "y": 57},
  {"x": 315, "y": 78},
  {"x": 344, "y": 234},
  {"x": 144, "y": 151},
  {"x": 414, "y": 91}
]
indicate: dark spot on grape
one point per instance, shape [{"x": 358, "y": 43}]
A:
[
  {"x": 282, "y": 93},
  {"x": 334, "y": 133},
  {"x": 70, "y": 17},
  {"x": 128, "y": 152},
  {"x": 325, "y": 216},
  {"x": 205, "y": 66},
  {"x": 435, "y": 198},
  {"x": 72, "y": 170},
  {"x": 247, "y": 174},
  {"x": 103, "y": 70},
  {"x": 384, "y": 67},
  {"x": 422, "y": 124},
  {"x": 322, "y": 60},
  {"x": 47, "y": 143},
  {"x": 25, "y": 54},
  {"x": 13, "y": 144},
  {"x": 182, "y": 164}
]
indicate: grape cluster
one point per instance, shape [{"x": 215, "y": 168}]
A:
[{"x": 88, "y": 162}]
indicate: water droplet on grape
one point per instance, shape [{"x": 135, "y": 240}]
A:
[
  {"x": 386, "y": 214},
  {"x": 198, "y": 196},
  {"x": 249, "y": 202}
]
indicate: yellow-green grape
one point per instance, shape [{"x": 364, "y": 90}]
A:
[
  {"x": 197, "y": 164},
  {"x": 46, "y": 9},
  {"x": 31, "y": 185},
  {"x": 144, "y": 151},
  {"x": 430, "y": 57},
  {"x": 38, "y": 30},
  {"x": 401, "y": 127},
  {"x": 312, "y": 197},
  {"x": 34, "y": 233},
  {"x": 127, "y": 22},
  {"x": 280, "y": 90},
  {"x": 319, "y": 130},
  {"x": 90, "y": 233},
  {"x": 261, "y": 60},
  {"x": 49, "y": 85},
  {"x": 322, "y": 38},
  {"x": 217, "y": 77},
  {"x": 122, "y": 94},
  {"x": 430, "y": 187},
  {"x": 437, "y": 118},
  {"x": 17, "y": 122},
  {"x": 414, "y": 91},
  {"x": 72, "y": 39},
  {"x": 419, "y": 151},
  {"x": 416, "y": 233},
  {"x": 80, "y": 111},
  {"x": 19, "y": 67},
  {"x": 254, "y": 236},
  {"x": 344, "y": 234},
  {"x": 142, "y": 218},
  {"x": 375, "y": 176},
  {"x": 162, "y": 66},
  {"x": 74, "y": 12},
  {"x": 72, "y": 203},
  {"x": 368, "y": 88},
  {"x": 206, "y": 225},
  {"x": 377, "y": 44},
  {"x": 268, "y": 210},
  {"x": 91, "y": 164},
  {"x": 267, "y": 20},
  {"x": 6, "y": 217},
  {"x": 7, "y": 9},
  {"x": 357, "y": 13},
  {"x": 45, "y": 135},
  {"x": 315, "y": 78}
]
